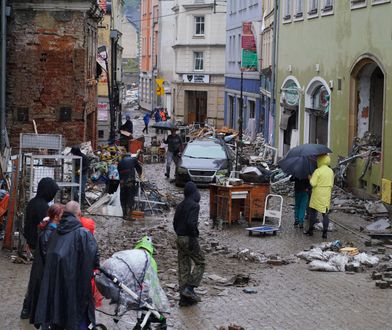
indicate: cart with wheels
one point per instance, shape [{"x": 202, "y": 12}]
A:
[{"x": 274, "y": 212}]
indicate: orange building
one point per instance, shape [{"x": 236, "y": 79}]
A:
[{"x": 149, "y": 15}]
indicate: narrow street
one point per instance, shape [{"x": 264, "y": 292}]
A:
[{"x": 287, "y": 296}]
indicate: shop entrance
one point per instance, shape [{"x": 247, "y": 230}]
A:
[{"x": 196, "y": 104}]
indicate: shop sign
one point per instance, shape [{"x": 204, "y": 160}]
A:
[
  {"x": 103, "y": 111},
  {"x": 249, "y": 60},
  {"x": 196, "y": 78}
]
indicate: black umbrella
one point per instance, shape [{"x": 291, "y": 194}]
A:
[
  {"x": 299, "y": 166},
  {"x": 301, "y": 161},
  {"x": 168, "y": 125},
  {"x": 308, "y": 149}
]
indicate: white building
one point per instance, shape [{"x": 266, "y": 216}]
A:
[{"x": 200, "y": 36}]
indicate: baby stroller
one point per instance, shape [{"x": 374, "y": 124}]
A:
[{"x": 129, "y": 279}]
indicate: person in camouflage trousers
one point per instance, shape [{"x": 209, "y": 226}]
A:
[{"x": 185, "y": 223}]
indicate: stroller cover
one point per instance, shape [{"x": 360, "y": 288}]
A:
[{"x": 133, "y": 268}]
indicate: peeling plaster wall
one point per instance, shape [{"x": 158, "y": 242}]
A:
[{"x": 363, "y": 104}]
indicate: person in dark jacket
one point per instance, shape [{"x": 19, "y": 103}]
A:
[
  {"x": 37, "y": 209},
  {"x": 47, "y": 226},
  {"x": 128, "y": 125},
  {"x": 65, "y": 300},
  {"x": 174, "y": 147},
  {"x": 81, "y": 171},
  {"x": 302, "y": 190},
  {"x": 185, "y": 224},
  {"x": 127, "y": 169}
]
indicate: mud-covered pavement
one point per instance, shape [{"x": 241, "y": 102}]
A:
[{"x": 287, "y": 296}]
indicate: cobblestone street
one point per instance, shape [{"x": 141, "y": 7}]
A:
[{"x": 288, "y": 296}]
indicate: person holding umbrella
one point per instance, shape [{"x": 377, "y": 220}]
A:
[
  {"x": 322, "y": 182},
  {"x": 302, "y": 190}
]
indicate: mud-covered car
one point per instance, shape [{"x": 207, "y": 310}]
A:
[{"x": 202, "y": 160}]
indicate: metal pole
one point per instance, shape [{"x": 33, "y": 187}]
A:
[
  {"x": 240, "y": 120},
  {"x": 274, "y": 63},
  {"x": 3, "y": 74},
  {"x": 112, "y": 135}
]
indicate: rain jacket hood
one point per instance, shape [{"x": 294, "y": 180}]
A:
[
  {"x": 191, "y": 191},
  {"x": 186, "y": 217},
  {"x": 322, "y": 183},
  {"x": 47, "y": 189},
  {"x": 323, "y": 160},
  {"x": 68, "y": 223}
]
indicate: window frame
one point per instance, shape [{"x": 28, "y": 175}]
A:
[
  {"x": 313, "y": 13},
  {"x": 196, "y": 59},
  {"x": 201, "y": 24},
  {"x": 298, "y": 15},
  {"x": 357, "y": 4},
  {"x": 287, "y": 11},
  {"x": 379, "y": 2},
  {"x": 327, "y": 10}
]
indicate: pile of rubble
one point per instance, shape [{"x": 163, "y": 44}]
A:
[{"x": 383, "y": 274}]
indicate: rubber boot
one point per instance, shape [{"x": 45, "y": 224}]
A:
[{"x": 325, "y": 234}]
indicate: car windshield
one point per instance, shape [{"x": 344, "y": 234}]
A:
[{"x": 208, "y": 151}]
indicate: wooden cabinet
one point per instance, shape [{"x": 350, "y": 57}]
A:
[{"x": 228, "y": 202}]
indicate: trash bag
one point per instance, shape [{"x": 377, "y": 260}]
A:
[
  {"x": 367, "y": 260},
  {"x": 315, "y": 254},
  {"x": 337, "y": 263},
  {"x": 133, "y": 268}
]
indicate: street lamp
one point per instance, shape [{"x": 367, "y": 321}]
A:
[{"x": 103, "y": 54}]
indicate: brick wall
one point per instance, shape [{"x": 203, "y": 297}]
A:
[{"x": 51, "y": 65}]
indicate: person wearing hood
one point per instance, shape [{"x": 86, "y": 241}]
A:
[
  {"x": 81, "y": 171},
  {"x": 65, "y": 300},
  {"x": 185, "y": 224},
  {"x": 322, "y": 182},
  {"x": 47, "y": 226},
  {"x": 37, "y": 209}
]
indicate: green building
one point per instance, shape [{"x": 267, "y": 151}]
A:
[{"x": 334, "y": 82}]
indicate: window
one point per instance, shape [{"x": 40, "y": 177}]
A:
[
  {"x": 252, "y": 107},
  {"x": 199, "y": 25},
  {"x": 23, "y": 114},
  {"x": 379, "y": 2},
  {"x": 312, "y": 8},
  {"x": 327, "y": 7},
  {"x": 199, "y": 63},
  {"x": 358, "y": 4},
  {"x": 287, "y": 10},
  {"x": 299, "y": 9},
  {"x": 101, "y": 134},
  {"x": 65, "y": 114}
]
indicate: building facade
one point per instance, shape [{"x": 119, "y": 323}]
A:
[
  {"x": 333, "y": 83},
  {"x": 110, "y": 86},
  {"x": 267, "y": 65},
  {"x": 198, "y": 89},
  {"x": 166, "y": 59},
  {"x": 51, "y": 69},
  {"x": 243, "y": 23},
  {"x": 149, "y": 45}
]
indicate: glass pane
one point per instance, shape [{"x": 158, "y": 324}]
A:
[{"x": 208, "y": 151}]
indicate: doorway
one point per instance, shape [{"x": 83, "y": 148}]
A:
[
  {"x": 317, "y": 112},
  {"x": 197, "y": 106}
]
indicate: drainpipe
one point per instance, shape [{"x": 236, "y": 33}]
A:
[
  {"x": 3, "y": 73},
  {"x": 274, "y": 66}
]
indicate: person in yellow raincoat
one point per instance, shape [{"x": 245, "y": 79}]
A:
[{"x": 322, "y": 182}]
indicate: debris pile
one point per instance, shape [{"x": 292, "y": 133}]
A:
[{"x": 331, "y": 257}]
